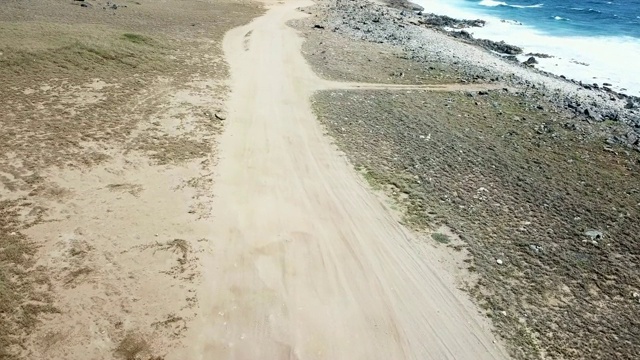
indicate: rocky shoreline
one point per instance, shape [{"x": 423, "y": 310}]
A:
[{"x": 430, "y": 38}]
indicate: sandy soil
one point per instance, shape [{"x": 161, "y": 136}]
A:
[
  {"x": 108, "y": 123},
  {"x": 305, "y": 262}
]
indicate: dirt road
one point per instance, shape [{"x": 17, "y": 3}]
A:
[{"x": 306, "y": 262}]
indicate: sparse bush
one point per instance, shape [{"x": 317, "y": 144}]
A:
[{"x": 441, "y": 238}]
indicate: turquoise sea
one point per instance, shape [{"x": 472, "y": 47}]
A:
[{"x": 594, "y": 41}]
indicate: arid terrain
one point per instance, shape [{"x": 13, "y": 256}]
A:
[
  {"x": 545, "y": 203},
  {"x": 200, "y": 179},
  {"x": 108, "y": 118}
]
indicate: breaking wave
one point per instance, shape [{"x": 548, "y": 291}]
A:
[{"x": 493, "y": 3}]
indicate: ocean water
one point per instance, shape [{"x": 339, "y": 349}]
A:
[{"x": 594, "y": 41}]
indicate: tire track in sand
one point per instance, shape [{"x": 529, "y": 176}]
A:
[{"x": 305, "y": 262}]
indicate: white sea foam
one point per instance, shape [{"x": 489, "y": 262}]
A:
[
  {"x": 527, "y": 6},
  {"x": 609, "y": 59},
  {"x": 493, "y": 3}
]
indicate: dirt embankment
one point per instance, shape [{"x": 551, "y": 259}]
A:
[
  {"x": 547, "y": 206},
  {"x": 107, "y": 135}
]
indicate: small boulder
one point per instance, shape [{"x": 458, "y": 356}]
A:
[
  {"x": 594, "y": 234},
  {"x": 535, "y": 248},
  {"x": 632, "y": 138},
  {"x": 531, "y": 61}
]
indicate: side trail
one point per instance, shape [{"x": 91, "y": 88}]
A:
[{"x": 305, "y": 262}]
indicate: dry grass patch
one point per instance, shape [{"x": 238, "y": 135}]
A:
[
  {"x": 133, "y": 189},
  {"x": 441, "y": 238},
  {"x": 39, "y": 51},
  {"x": 133, "y": 347},
  {"x": 77, "y": 82},
  {"x": 173, "y": 149},
  {"x": 23, "y": 288},
  {"x": 180, "y": 247}
]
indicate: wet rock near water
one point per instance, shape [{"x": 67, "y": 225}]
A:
[
  {"x": 540, "y": 55},
  {"x": 496, "y": 46},
  {"x": 463, "y": 35},
  {"x": 443, "y": 21},
  {"x": 499, "y": 47}
]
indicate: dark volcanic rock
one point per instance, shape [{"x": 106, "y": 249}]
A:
[
  {"x": 629, "y": 104},
  {"x": 531, "y": 61},
  {"x": 499, "y": 47},
  {"x": 461, "y": 35},
  {"x": 539, "y": 55},
  {"x": 445, "y": 21},
  {"x": 404, "y": 5}
]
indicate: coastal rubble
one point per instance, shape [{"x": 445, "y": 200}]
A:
[{"x": 429, "y": 38}]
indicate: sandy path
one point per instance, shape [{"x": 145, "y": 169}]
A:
[{"x": 306, "y": 263}]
